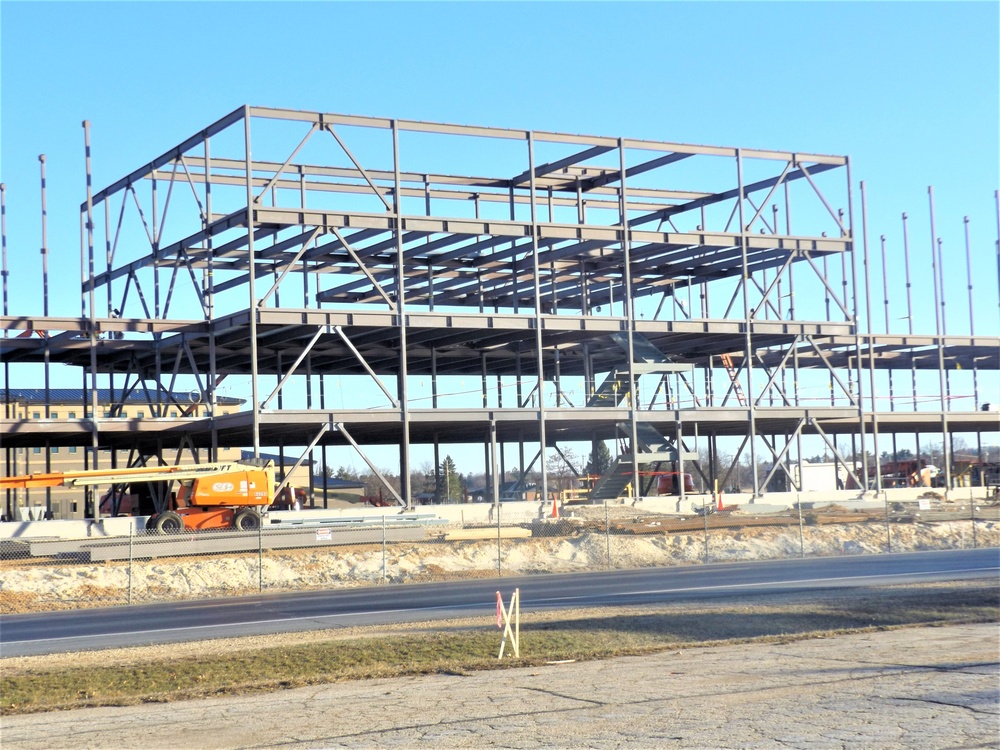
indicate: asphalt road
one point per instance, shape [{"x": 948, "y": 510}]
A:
[{"x": 51, "y": 632}]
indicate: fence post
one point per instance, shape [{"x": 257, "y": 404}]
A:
[
  {"x": 704, "y": 512},
  {"x": 383, "y": 548},
  {"x": 607, "y": 531},
  {"x": 260, "y": 557},
  {"x": 499, "y": 553},
  {"x": 802, "y": 538},
  {"x": 888, "y": 533},
  {"x": 131, "y": 526},
  {"x": 972, "y": 512}
]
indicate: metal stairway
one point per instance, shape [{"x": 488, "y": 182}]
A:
[
  {"x": 653, "y": 447},
  {"x": 648, "y": 360},
  {"x": 613, "y": 390}
]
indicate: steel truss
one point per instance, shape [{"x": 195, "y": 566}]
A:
[{"x": 287, "y": 272}]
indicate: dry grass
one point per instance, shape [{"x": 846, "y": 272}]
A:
[{"x": 184, "y": 671}]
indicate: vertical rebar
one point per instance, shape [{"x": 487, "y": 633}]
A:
[
  {"x": 968, "y": 270},
  {"x": 885, "y": 295},
  {"x": 45, "y": 247},
  {"x": 906, "y": 267},
  {"x": 885, "y": 284},
  {"x": 972, "y": 321}
]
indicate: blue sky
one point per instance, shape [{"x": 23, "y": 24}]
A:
[{"x": 908, "y": 90}]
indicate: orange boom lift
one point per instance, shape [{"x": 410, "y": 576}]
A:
[{"x": 209, "y": 496}]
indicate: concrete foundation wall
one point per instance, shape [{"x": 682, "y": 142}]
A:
[{"x": 484, "y": 513}]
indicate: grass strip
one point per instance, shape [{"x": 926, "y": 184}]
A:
[{"x": 551, "y": 637}]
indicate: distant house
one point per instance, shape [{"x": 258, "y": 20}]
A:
[
  {"x": 345, "y": 490},
  {"x": 515, "y": 491}
]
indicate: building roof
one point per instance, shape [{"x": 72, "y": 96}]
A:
[
  {"x": 104, "y": 396},
  {"x": 288, "y": 460},
  {"x": 515, "y": 486},
  {"x": 333, "y": 483}
]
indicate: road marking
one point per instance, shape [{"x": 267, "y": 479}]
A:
[
  {"x": 772, "y": 583},
  {"x": 231, "y": 625},
  {"x": 535, "y": 602}
]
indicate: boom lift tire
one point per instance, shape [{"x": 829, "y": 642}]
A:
[
  {"x": 168, "y": 523},
  {"x": 246, "y": 520}
]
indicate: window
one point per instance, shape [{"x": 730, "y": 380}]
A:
[
  {"x": 20, "y": 450},
  {"x": 72, "y": 415},
  {"x": 107, "y": 414},
  {"x": 55, "y": 449},
  {"x": 36, "y": 415},
  {"x": 140, "y": 415},
  {"x": 53, "y": 415},
  {"x": 72, "y": 449},
  {"x": 173, "y": 413},
  {"x": 36, "y": 449}
]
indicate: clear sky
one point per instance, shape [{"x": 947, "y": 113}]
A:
[{"x": 909, "y": 90}]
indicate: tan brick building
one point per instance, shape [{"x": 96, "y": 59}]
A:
[{"x": 66, "y": 405}]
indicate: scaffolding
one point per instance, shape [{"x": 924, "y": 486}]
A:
[{"x": 286, "y": 250}]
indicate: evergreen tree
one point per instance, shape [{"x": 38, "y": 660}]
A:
[
  {"x": 449, "y": 484},
  {"x": 600, "y": 460}
]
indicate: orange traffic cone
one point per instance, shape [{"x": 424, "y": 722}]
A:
[
  {"x": 555, "y": 507},
  {"x": 718, "y": 501}
]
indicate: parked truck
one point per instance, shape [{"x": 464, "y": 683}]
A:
[{"x": 198, "y": 496}]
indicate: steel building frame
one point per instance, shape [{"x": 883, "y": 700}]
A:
[{"x": 288, "y": 272}]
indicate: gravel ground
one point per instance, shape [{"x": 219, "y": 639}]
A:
[{"x": 909, "y": 688}]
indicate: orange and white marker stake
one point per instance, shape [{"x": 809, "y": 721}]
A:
[{"x": 505, "y": 615}]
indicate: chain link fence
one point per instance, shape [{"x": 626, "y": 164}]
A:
[{"x": 139, "y": 566}]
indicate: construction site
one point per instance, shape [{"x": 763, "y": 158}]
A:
[{"x": 304, "y": 282}]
